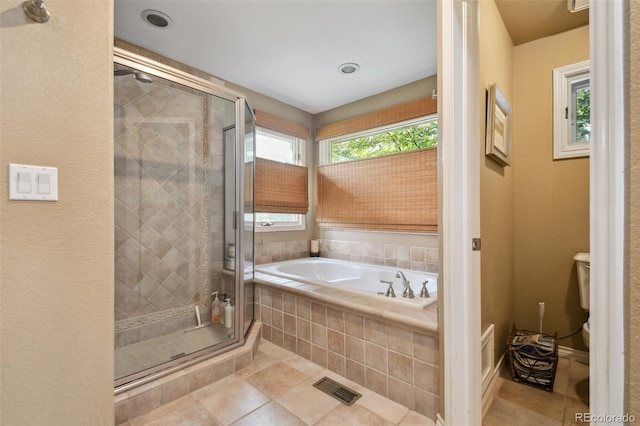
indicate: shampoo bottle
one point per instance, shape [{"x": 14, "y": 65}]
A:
[
  {"x": 228, "y": 314},
  {"x": 215, "y": 309}
]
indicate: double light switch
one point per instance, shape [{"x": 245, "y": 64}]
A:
[{"x": 33, "y": 183}]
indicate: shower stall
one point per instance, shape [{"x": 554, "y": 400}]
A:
[{"x": 183, "y": 180}]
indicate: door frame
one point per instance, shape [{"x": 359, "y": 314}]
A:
[
  {"x": 459, "y": 180},
  {"x": 607, "y": 30},
  {"x": 460, "y": 268}
]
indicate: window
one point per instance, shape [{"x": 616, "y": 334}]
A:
[
  {"x": 386, "y": 176},
  {"x": 276, "y": 146},
  {"x": 403, "y": 137},
  {"x": 571, "y": 111}
]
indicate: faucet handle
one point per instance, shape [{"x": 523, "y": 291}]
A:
[
  {"x": 390, "y": 292},
  {"x": 425, "y": 290}
]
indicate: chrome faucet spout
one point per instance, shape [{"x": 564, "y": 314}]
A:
[{"x": 406, "y": 292}]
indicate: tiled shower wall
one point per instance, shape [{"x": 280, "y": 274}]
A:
[
  {"x": 164, "y": 206},
  {"x": 397, "y": 256},
  {"x": 390, "y": 359}
]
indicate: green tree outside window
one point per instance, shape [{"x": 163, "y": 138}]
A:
[{"x": 389, "y": 142}]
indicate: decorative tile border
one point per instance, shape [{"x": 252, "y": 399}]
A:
[{"x": 389, "y": 358}]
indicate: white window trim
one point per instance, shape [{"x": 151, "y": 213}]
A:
[
  {"x": 325, "y": 144},
  {"x": 300, "y": 159},
  {"x": 563, "y": 80},
  {"x": 299, "y": 147},
  {"x": 299, "y": 225}
]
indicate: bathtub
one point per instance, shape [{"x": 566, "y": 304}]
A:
[{"x": 355, "y": 277}]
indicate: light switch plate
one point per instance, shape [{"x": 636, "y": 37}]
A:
[{"x": 36, "y": 183}]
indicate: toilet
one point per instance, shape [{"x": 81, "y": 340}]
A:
[{"x": 582, "y": 265}]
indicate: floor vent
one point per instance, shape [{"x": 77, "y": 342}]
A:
[{"x": 336, "y": 390}]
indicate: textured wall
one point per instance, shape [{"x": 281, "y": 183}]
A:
[
  {"x": 551, "y": 197},
  {"x": 496, "y": 184},
  {"x": 57, "y": 257},
  {"x": 633, "y": 299}
]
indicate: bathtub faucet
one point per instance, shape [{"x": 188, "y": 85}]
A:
[{"x": 406, "y": 292}]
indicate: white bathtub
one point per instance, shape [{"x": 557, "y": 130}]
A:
[{"x": 355, "y": 277}]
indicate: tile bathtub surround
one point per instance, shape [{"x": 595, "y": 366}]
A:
[
  {"x": 393, "y": 360},
  {"x": 281, "y": 250},
  {"x": 148, "y": 397},
  {"x": 407, "y": 257}
]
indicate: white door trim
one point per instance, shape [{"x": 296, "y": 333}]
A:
[
  {"x": 458, "y": 105},
  {"x": 607, "y": 360}
]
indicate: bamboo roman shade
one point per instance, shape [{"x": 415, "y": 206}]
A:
[
  {"x": 272, "y": 122},
  {"x": 395, "y": 114},
  {"x": 395, "y": 193},
  {"x": 281, "y": 187}
]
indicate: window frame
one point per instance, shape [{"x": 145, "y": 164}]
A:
[
  {"x": 564, "y": 110},
  {"x": 299, "y": 151},
  {"x": 326, "y": 144}
]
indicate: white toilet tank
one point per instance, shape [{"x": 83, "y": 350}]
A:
[{"x": 582, "y": 264}]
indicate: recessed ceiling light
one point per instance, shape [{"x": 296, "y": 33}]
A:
[
  {"x": 156, "y": 19},
  {"x": 348, "y": 68}
]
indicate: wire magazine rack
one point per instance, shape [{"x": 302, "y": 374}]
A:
[{"x": 533, "y": 358}]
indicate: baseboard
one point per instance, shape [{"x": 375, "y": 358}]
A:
[
  {"x": 487, "y": 349},
  {"x": 494, "y": 378},
  {"x": 570, "y": 353}
]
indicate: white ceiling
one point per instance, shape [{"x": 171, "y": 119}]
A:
[{"x": 291, "y": 50}]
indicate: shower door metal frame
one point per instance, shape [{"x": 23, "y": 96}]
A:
[{"x": 157, "y": 69}]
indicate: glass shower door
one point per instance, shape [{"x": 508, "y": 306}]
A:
[
  {"x": 248, "y": 233},
  {"x": 172, "y": 206},
  {"x": 239, "y": 221}
]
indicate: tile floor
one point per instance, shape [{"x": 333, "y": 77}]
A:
[
  {"x": 515, "y": 403},
  {"x": 276, "y": 389}
]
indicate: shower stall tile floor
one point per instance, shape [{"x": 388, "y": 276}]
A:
[
  {"x": 277, "y": 389},
  {"x": 140, "y": 356}
]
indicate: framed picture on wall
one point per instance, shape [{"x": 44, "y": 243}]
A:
[{"x": 498, "y": 136}]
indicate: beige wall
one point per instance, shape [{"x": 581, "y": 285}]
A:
[
  {"x": 496, "y": 184},
  {"x": 551, "y": 197},
  {"x": 56, "y": 264},
  {"x": 633, "y": 255},
  {"x": 409, "y": 92}
]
